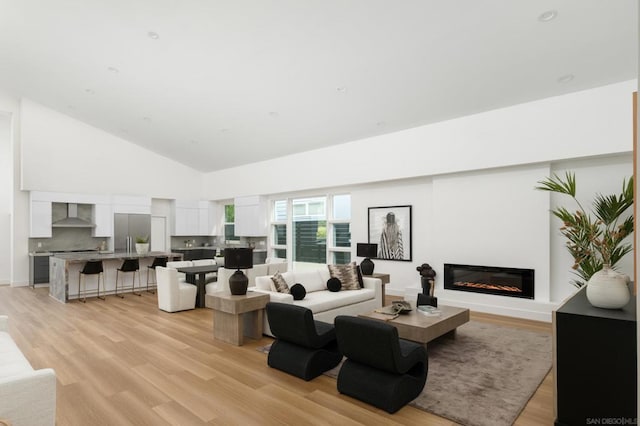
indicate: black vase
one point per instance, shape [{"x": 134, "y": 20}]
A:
[
  {"x": 366, "y": 266},
  {"x": 238, "y": 283}
]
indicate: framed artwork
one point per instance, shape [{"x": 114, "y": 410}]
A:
[{"x": 390, "y": 228}]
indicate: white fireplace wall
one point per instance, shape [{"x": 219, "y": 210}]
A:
[{"x": 491, "y": 217}]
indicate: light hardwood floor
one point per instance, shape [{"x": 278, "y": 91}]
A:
[{"x": 124, "y": 361}]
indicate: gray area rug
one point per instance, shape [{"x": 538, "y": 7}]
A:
[{"x": 483, "y": 377}]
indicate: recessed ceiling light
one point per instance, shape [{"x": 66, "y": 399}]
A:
[
  {"x": 153, "y": 35},
  {"x": 566, "y": 78},
  {"x": 342, "y": 89},
  {"x": 89, "y": 91},
  {"x": 113, "y": 69},
  {"x": 547, "y": 16}
]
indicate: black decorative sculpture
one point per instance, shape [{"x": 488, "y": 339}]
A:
[{"x": 427, "y": 278}]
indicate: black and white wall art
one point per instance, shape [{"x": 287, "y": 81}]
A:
[{"x": 390, "y": 228}]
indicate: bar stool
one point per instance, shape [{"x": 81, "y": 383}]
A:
[
  {"x": 157, "y": 261},
  {"x": 91, "y": 267},
  {"x": 129, "y": 265}
]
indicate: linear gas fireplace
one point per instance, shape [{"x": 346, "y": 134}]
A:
[{"x": 512, "y": 282}]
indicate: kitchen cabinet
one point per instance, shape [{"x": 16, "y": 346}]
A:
[
  {"x": 196, "y": 253},
  {"x": 205, "y": 224},
  {"x": 103, "y": 219},
  {"x": 40, "y": 219},
  {"x": 131, "y": 204},
  {"x": 193, "y": 218},
  {"x": 594, "y": 363},
  {"x": 251, "y": 216},
  {"x": 38, "y": 269}
]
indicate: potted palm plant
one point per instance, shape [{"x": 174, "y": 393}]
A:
[
  {"x": 142, "y": 245},
  {"x": 596, "y": 239}
]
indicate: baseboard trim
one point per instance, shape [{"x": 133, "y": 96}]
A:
[{"x": 520, "y": 308}]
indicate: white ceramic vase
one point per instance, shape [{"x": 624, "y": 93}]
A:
[
  {"x": 608, "y": 289},
  {"x": 142, "y": 248}
]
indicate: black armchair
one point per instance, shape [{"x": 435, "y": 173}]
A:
[
  {"x": 303, "y": 347},
  {"x": 381, "y": 369}
]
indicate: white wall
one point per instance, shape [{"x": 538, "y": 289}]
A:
[
  {"x": 493, "y": 218},
  {"x": 418, "y": 193},
  {"x": 19, "y": 229},
  {"x": 588, "y": 123},
  {"x": 61, "y": 154},
  {"x": 6, "y": 197},
  {"x": 483, "y": 193}
]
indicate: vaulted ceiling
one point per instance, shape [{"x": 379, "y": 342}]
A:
[{"x": 215, "y": 84}]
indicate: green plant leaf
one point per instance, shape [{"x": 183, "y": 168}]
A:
[{"x": 556, "y": 184}]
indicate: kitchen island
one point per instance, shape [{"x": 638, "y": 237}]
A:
[{"x": 64, "y": 272}]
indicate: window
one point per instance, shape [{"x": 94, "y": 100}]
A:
[
  {"x": 309, "y": 231},
  {"x": 340, "y": 229},
  {"x": 229, "y": 223},
  {"x": 279, "y": 230},
  {"x": 317, "y": 230}
]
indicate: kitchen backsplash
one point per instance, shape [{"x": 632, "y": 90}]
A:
[
  {"x": 67, "y": 239},
  {"x": 219, "y": 242}
]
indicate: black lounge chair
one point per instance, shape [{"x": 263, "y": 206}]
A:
[
  {"x": 381, "y": 369},
  {"x": 303, "y": 347}
]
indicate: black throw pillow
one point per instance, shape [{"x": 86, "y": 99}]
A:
[
  {"x": 298, "y": 291},
  {"x": 360, "y": 280},
  {"x": 334, "y": 284}
]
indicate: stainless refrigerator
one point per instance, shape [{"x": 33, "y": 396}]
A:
[{"x": 128, "y": 227}]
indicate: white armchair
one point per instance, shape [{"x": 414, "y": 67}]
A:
[
  {"x": 180, "y": 264},
  {"x": 27, "y": 396},
  {"x": 174, "y": 295}
]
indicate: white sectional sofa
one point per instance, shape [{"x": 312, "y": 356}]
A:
[
  {"x": 324, "y": 304},
  {"x": 27, "y": 396}
]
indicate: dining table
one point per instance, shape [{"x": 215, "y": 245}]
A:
[{"x": 197, "y": 275}]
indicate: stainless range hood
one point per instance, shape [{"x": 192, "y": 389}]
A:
[{"x": 72, "y": 220}]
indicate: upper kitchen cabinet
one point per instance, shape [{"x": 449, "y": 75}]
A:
[
  {"x": 251, "y": 216},
  {"x": 40, "y": 219},
  {"x": 103, "y": 219},
  {"x": 193, "y": 218},
  {"x": 131, "y": 204}
]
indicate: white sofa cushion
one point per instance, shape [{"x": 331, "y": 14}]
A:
[
  {"x": 320, "y": 301},
  {"x": 324, "y": 275},
  {"x": 12, "y": 361},
  {"x": 264, "y": 283},
  {"x": 277, "y": 267},
  {"x": 310, "y": 280},
  {"x": 289, "y": 277}
]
